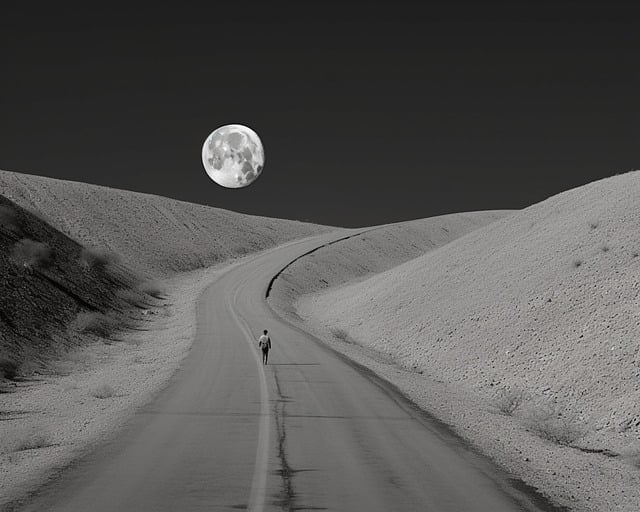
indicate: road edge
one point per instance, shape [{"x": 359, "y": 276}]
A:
[{"x": 521, "y": 493}]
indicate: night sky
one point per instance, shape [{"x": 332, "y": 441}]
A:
[{"x": 369, "y": 113}]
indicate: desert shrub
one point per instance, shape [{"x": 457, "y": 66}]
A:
[
  {"x": 604, "y": 248},
  {"x": 153, "y": 288},
  {"x": 29, "y": 253},
  {"x": 98, "y": 258},
  {"x": 340, "y": 334},
  {"x": 33, "y": 442},
  {"x": 8, "y": 218},
  {"x": 594, "y": 224},
  {"x": 103, "y": 391},
  {"x": 548, "y": 421},
  {"x": 509, "y": 400},
  {"x": 8, "y": 369},
  {"x": 97, "y": 323},
  {"x": 577, "y": 263}
]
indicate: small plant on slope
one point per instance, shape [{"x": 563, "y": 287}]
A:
[
  {"x": 31, "y": 254},
  {"x": 549, "y": 422},
  {"x": 340, "y": 334},
  {"x": 103, "y": 391},
  {"x": 98, "y": 258},
  {"x": 509, "y": 400}
]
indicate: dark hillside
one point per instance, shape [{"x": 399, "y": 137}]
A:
[{"x": 46, "y": 280}]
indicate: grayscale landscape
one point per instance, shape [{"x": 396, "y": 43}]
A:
[{"x": 479, "y": 361}]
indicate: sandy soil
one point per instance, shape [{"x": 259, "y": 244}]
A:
[
  {"x": 62, "y": 415},
  {"x": 369, "y": 251},
  {"x": 539, "y": 308},
  {"x": 570, "y": 478}
]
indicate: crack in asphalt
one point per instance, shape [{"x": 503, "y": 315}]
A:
[
  {"x": 287, "y": 502},
  {"x": 527, "y": 496}
]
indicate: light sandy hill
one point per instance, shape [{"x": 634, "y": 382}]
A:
[
  {"x": 151, "y": 233},
  {"x": 374, "y": 250},
  {"x": 545, "y": 300}
]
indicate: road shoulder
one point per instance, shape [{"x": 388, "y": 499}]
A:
[{"x": 49, "y": 421}]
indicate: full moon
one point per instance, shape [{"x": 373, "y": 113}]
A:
[{"x": 233, "y": 156}]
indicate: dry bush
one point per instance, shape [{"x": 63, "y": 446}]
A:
[
  {"x": 100, "y": 324},
  {"x": 103, "y": 391},
  {"x": 340, "y": 334},
  {"x": 548, "y": 421},
  {"x": 8, "y": 218},
  {"x": 29, "y": 253},
  {"x": 8, "y": 369},
  {"x": 153, "y": 288},
  {"x": 98, "y": 258},
  {"x": 509, "y": 400}
]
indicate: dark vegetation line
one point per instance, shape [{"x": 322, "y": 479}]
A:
[{"x": 273, "y": 279}]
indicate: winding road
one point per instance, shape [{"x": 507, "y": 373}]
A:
[{"x": 310, "y": 431}]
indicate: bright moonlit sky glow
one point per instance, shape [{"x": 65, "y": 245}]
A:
[{"x": 369, "y": 113}]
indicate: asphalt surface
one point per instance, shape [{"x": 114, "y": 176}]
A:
[{"x": 309, "y": 431}]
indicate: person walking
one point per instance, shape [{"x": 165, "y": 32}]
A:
[{"x": 265, "y": 344}]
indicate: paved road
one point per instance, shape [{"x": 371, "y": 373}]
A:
[{"x": 307, "y": 432}]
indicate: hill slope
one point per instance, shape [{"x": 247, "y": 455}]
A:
[
  {"x": 545, "y": 300},
  {"x": 47, "y": 280},
  {"x": 57, "y": 285},
  {"x": 373, "y": 251},
  {"x": 151, "y": 233}
]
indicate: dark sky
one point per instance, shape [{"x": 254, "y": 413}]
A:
[{"x": 369, "y": 113}]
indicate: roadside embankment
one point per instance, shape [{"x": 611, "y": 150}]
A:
[{"x": 522, "y": 335}]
